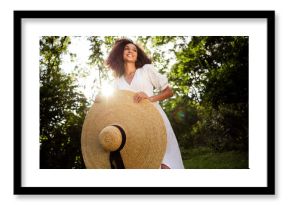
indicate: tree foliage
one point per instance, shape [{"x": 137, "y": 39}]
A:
[
  {"x": 213, "y": 71},
  {"x": 61, "y": 109}
]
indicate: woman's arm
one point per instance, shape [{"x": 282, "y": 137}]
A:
[{"x": 164, "y": 94}]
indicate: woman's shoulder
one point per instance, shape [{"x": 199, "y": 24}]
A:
[{"x": 147, "y": 68}]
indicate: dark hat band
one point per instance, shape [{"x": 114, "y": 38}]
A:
[{"x": 116, "y": 160}]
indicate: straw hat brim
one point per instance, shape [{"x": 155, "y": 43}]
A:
[{"x": 143, "y": 126}]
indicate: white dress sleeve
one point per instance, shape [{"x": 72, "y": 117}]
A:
[{"x": 159, "y": 81}]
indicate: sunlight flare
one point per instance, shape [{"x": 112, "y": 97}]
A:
[{"x": 107, "y": 89}]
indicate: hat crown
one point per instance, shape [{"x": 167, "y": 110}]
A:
[{"x": 110, "y": 138}]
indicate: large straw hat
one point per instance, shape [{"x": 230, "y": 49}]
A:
[{"x": 118, "y": 125}]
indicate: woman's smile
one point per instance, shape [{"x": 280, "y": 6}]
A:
[{"x": 130, "y": 53}]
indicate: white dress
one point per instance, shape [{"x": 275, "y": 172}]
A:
[{"x": 145, "y": 80}]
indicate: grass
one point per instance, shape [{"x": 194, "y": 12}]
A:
[{"x": 204, "y": 158}]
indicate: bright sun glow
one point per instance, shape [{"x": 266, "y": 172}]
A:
[{"x": 107, "y": 89}]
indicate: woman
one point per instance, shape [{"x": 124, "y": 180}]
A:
[{"x": 133, "y": 71}]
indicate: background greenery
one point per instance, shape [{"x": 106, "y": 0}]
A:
[{"x": 209, "y": 111}]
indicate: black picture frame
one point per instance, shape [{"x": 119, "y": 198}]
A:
[{"x": 269, "y": 16}]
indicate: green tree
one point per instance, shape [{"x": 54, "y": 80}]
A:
[
  {"x": 62, "y": 109},
  {"x": 213, "y": 71}
]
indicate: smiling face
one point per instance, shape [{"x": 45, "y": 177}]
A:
[
  {"x": 123, "y": 52},
  {"x": 130, "y": 53}
]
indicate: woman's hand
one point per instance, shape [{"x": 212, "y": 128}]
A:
[{"x": 140, "y": 96}]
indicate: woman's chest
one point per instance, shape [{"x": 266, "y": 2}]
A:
[{"x": 138, "y": 83}]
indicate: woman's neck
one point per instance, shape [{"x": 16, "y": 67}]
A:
[{"x": 129, "y": 68}]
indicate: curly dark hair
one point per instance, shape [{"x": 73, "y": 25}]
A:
[{"x": 115, "y": 59}]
